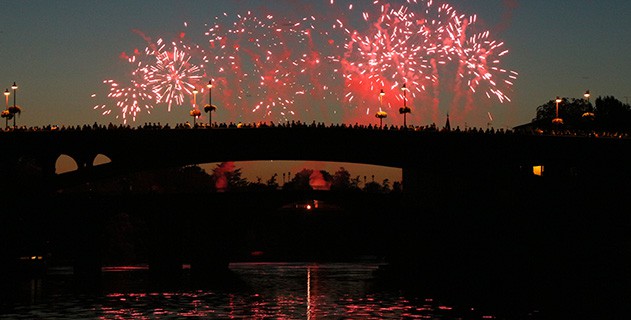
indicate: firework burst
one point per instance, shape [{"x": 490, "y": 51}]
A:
[
  {"x": 172, "y": 75},
  {"x": 161, "y": 73},
  {"x": 431, "y": 48},
  {"x": 266, "y": 65},
  {"x": 322, "y": 67},
  {"x": 130, "y": 99}
]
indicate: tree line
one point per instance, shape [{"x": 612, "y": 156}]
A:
[
  {"x": 607, "y": 114},
  {"x": 225, "y": 177}
]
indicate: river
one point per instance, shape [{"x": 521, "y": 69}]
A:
[{"x": 251, "y": 291}]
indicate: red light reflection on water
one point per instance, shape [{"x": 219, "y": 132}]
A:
[
  {"x": 401, "y": 308},
  {"x": 326, "y": 293},
  {"x": 124, "y": 268}
]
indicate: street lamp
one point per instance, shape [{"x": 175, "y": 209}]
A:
[
  {"x": 210, "y": 91},
  {"x": 381, "y": 114},
  {"x": 195, "y": 113},
  {"x": 14, "y": 109},
  {"x": 405, "y": 110},
  {"x": 557, "y": 120},
  {"x": 381, "y": 94},
  {"x": 5, "y": 113},
  {"x": 209, "y": 108},
  {"x": 588, "y": 113},
  {"x": 6, "y": 94},
  {"x": 15, "y": 88}
]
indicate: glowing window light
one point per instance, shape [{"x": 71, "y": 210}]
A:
[{"x": 537, "y": 170}]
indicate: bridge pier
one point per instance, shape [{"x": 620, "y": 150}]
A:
[
  {"x": 87, "y": 262},
  {"x": 437, "y": 183},
  {"x": 164, "y": 244},
  {"x": 209, "y": 245},
  {"x": 504, "y": 235},
  {"x": 459, "y": 219},
  {"x": 87, "y": 228}
]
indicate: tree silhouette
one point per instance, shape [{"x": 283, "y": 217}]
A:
[
  {"x": 235, "y": 181},
  {"x": 341, "y": 180},
  {"x": 228, "y": 178},
  {"x": 193, "y": 179},
  {"x": 609, "y": 114},
  {"x": 397, "y": 187},
  {"x": 256, "y": 186},
  {"x": 300, "y": 181},
  {"x": 571, "y": 110},
  {"x": 272, "y": 184},
  {"x": 326, "y": 179},
  {"x": 612, "y": 114},
  {"x": 188, "y": 179},
  {"x": 372, "y": 187},
  {"x": 386, "y": 185},
  {"x": 355, "y": 183}
]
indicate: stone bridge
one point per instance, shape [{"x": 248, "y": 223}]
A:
[{"x": 420, "y": 154}]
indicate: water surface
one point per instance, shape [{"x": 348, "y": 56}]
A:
[{"x": 250, "y": 291}]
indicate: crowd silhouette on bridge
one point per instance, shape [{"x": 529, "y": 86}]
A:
[{"x": 524, "y": 130}]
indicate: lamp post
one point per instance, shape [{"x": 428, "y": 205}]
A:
[
  {"x": 405, "y": 110},
  {"x": 5, "y": 113},
  {"x": 210, "y": 100},
  {"x": 210, "y": 91},
  {"x": 194, "y": 113},
  {"x": 557, "y": 120},
  {"x": 381, "y": 94},
  {"x": 209, "y": 108},
  {"x": 15, "y": 88},
  {"x": 15, "y": 109},
  {"x": 588, "y": 113},
  {"x": 381, "y": 114}
]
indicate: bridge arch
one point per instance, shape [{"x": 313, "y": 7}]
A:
[
  {"x": 100, "y": 159},
  {"x": 65, "y": 163}
]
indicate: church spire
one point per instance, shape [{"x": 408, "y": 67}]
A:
[{"x": 447, "y": 125}]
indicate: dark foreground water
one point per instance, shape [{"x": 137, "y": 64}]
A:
[{"x": 250, "y": 291}]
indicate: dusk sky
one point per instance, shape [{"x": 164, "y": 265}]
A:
[{"x": 60, "y": 52}]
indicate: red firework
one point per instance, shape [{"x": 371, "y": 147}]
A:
[{"x": 265, "y": 68}]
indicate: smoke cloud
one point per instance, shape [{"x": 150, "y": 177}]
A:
[
  {"x": 219, "y": 175},
  {"x": 317, "y": 182},
  {"x": 509, "y": 7}
]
